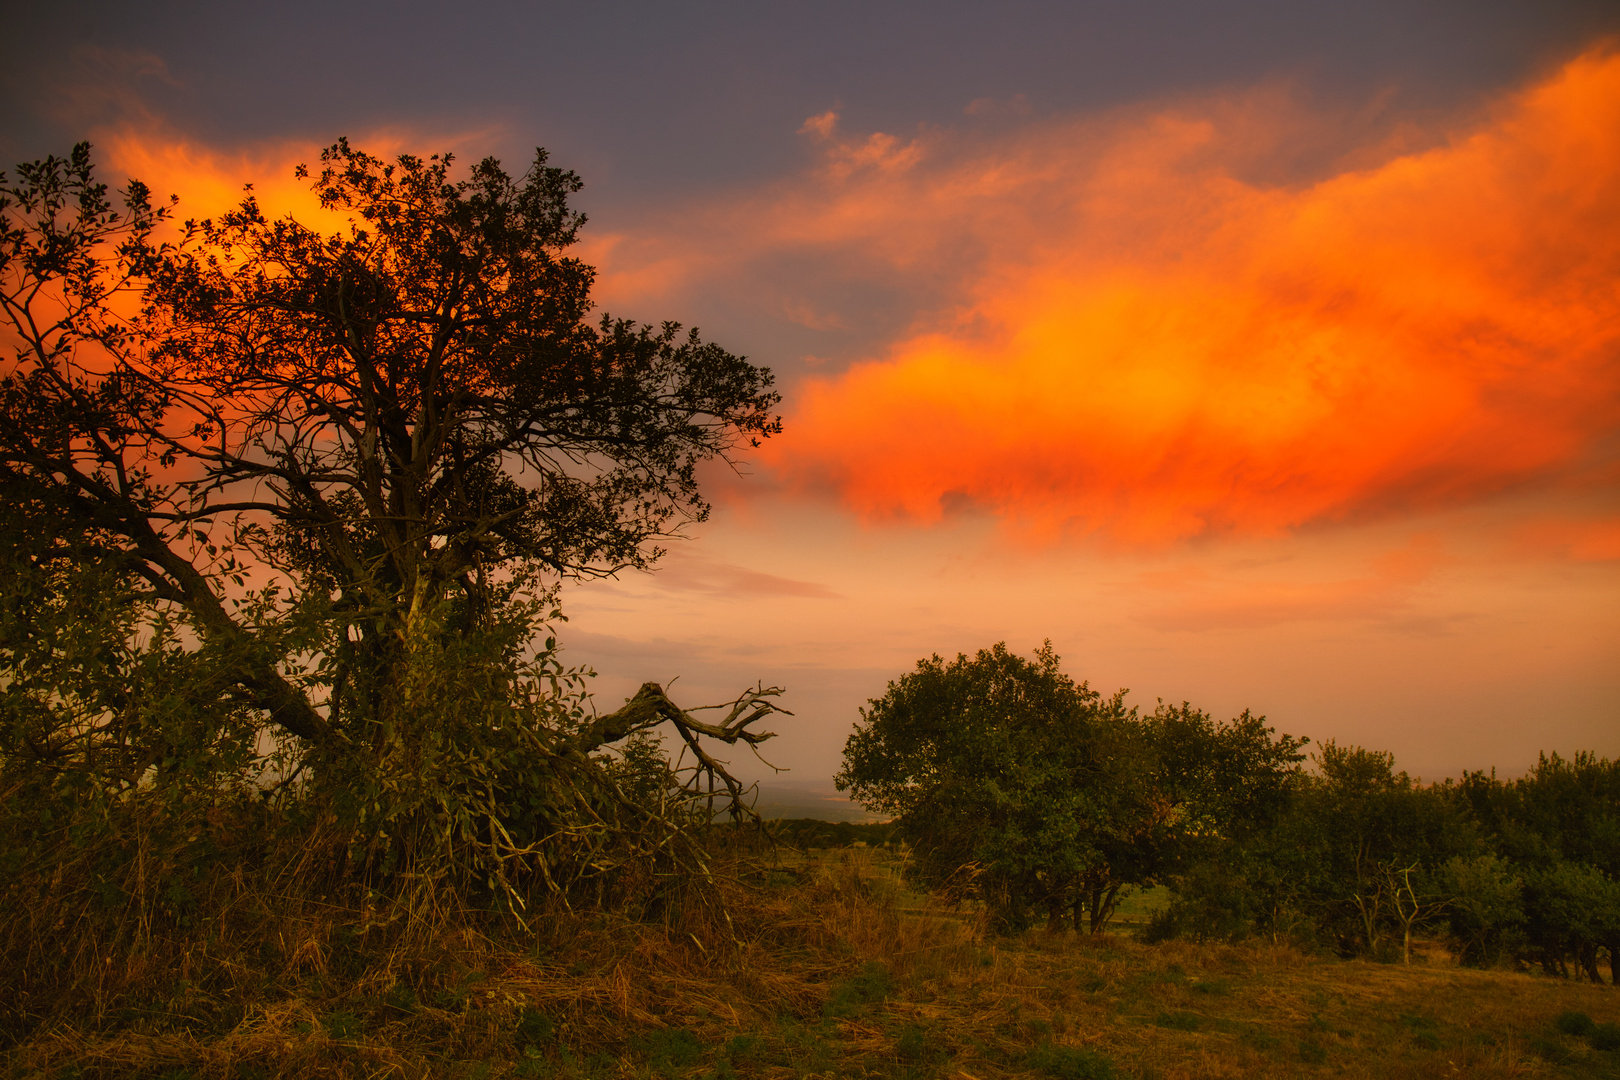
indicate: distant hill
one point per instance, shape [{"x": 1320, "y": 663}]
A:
[{"x": 815, "y": 799}]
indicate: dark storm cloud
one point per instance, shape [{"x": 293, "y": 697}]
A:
[{"x": 652, "y": 97}]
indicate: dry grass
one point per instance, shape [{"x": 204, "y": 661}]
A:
[{"x": 819, "y": 965}]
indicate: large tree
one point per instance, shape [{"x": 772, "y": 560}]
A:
[{"x": 341, "y": 470}]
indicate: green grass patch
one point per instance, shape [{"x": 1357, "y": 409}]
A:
[
  {"x": 868, "y": 986},
  {"x": 1070, "y": 1063},
  {"x": 669, "y": 1048}
]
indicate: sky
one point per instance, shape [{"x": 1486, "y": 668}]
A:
[{"x": 1260, "y": 355}]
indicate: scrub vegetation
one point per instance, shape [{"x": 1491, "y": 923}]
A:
[
  {"x": 293, "y": 781},
  {"x": 1034, "y": 795}
]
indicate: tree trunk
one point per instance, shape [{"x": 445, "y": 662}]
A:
[
  {"x": 1586, "y": 955},
  {"x": 1368, "y": 907},
  {"x": 1102, "y": 906}
]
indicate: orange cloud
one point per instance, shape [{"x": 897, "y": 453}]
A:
[
  {"x": 1197, "y": 597},
  {"x": 1581, "y": 540},
  {"x": 1149, "y": 346},
  {"x": 687, "y": 571},
  {"x": 211, "y": 181}
]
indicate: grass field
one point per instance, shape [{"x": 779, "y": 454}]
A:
[{"x": 822, "y": 964}]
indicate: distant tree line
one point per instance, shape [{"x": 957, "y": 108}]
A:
[
  {"x": 1038, "y": 797},
  {"x": 1366, "y": 857},
  {"x": 815, "y": 833}
]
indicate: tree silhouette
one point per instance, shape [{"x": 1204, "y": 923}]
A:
[{"x": 413, "y": 426}]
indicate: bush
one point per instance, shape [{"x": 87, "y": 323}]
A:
[
  {"x": 1211, "y": 903},
  {"x": 1486, "y": 912}
]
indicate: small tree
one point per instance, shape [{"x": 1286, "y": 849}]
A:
[
  {"x": 1486, "y": 906},
  {"x": 1412, "y": 905},
  {"x": 1047, "y": 796},
  {"x": 1560, "y": 826},
  {"x": 1572, "y": 910},
  {"x": 1348, "y": 839},
  {"x": 948, "y": 752}
]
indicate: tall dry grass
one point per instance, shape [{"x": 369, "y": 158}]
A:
[{"x": 788, "y": 964}]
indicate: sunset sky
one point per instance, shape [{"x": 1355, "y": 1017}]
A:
[{"x": 1263, "y": 355}]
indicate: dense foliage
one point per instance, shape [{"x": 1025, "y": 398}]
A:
[{"x": 1526, "y": 871}]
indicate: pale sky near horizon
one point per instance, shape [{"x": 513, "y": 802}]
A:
[{"x": 1262, "y": 355}]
